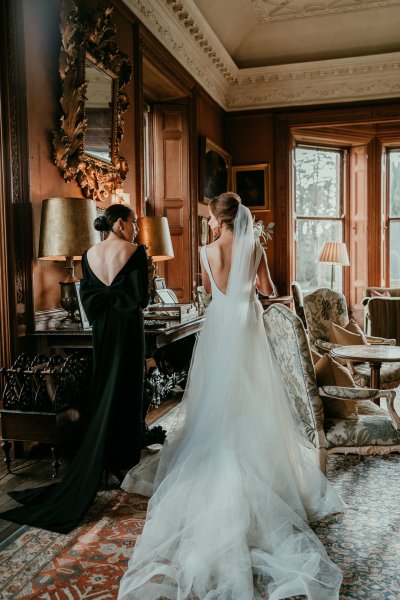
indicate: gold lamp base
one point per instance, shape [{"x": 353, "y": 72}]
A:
[{"x": 68, "y": 299}]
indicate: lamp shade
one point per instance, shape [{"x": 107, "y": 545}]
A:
[
  {"x": 334, "y": 253},
  {"x": 154, "y": 234},
  {"x": 66, "y": 228}
]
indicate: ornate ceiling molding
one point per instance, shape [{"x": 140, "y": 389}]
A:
[
  {"x": 181, "y": 28},
  {"x": 269, "y": 11}
]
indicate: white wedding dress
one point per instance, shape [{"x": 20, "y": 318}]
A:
[{"x": 236, "y": 484}]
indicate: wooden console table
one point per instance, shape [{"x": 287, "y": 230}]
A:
[{"x": 170, "y": 346}]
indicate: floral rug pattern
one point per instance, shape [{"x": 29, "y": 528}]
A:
[{"x": 89, "y": 562}]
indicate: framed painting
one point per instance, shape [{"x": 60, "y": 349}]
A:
[
  {"x": 252, "y": 183},
  {"x": 215, "y": 170}
]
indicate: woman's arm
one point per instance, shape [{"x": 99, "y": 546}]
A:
[
  {"x": 264, "y": 282},
  {"x": 205, "y": 278}
]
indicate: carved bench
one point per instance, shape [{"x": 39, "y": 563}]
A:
[{"x": 42, "y": 401}]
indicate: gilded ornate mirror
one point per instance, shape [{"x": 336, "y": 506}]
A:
[{"x": 94, "y": 73}]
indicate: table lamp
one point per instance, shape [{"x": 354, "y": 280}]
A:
[
  {"x": 154, "y": 234},
  {"x": 334, "y": 253},
  {"x": 66, "y": 231}
]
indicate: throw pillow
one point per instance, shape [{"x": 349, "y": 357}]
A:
[
  {"x": 376, "y": 294},
  {"x": 315, "y": 357},
  {"x": 343, "y": 337},
  {"x": 354, "y": 327},
  {"x": 330, "y": 372}
]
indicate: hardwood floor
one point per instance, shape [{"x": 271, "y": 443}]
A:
[{"x": 35, "y": 470}]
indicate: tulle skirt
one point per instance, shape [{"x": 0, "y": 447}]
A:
[{"x": 235, "y": 486}]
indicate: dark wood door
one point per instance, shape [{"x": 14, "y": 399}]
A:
[{"x": 171, "y": 192}]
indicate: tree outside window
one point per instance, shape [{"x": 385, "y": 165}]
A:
[{"x": 319, "y": 213}]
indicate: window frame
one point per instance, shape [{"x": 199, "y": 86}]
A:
[
  {"x": 343, "y": 217},
  {"x": 387, "y": 218}
]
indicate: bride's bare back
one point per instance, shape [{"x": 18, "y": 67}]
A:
[{"x": 219, "y": 255}]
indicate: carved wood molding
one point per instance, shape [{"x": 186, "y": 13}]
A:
[
  {"x": 95, "y": 37},
  {"x": 16, "y": 306}
]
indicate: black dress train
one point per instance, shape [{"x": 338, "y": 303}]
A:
[{"x": 113, "y": 438}]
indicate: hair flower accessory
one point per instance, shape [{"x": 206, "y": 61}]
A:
[{"x": 263, "y": 233}]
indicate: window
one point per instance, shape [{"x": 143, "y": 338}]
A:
[
  {"x": 319, "y": 213},
  {"x": 393, "y": 218}
]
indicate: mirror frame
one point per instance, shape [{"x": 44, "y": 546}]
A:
[{"x": 95, "y": 38}]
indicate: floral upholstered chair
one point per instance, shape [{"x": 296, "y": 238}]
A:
[
  {"x": 373, "y": 430},
  {"x": 324, "y": 306},
  {"x": 298, "y": 301}
]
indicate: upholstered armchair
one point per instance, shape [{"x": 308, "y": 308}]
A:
[
  {"x": 374, "y": 430},
  {"x": 297, "y": 294},
  {"x": 382, "y": 314},
  {"x": 324, "y": 306}
]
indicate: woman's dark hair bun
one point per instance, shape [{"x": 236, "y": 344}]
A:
[{"x": 101, "y": 224}]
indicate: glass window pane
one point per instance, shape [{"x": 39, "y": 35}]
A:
[
  {"x": 310, "y": 236},
  {"x": 317, "y": 176},
  {"x": 394, "y": 254},
  {"x": 394, "y": 169}
]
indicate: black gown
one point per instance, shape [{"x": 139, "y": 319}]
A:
[{"x": 113, "y": 438}]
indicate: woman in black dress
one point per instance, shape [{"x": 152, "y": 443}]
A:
[{"x": 114, "y": 290}]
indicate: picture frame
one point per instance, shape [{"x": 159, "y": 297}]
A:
[
  {"x": 84, "y": 320},
  {"x": 159, "y": 283},
  {"x": 215, "y": 170},
  {"x": 203, "y": 231},
  {"x": 166, "y": 296},
  {"x": 252, "y": 183}
]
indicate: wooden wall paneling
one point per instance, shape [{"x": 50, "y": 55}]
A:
[
  {"x": 376, "y": 233},
  {"x": 284, "y": 260},
  {"x": 358, "y": 215},
  {"x": 16, "y": 309},
  {"x": 172, "y": 191},
  {"x": 250, "y": 140},
  {"x": 139, "y": 108},
  {"x": 194, "y": 188}
]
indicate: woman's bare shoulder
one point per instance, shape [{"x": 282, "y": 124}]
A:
[
  {"x": 122, "y": 248},
  {"x": 213, "y": 247}
]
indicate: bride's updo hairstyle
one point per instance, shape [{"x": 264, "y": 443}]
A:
[
  {"x": 224, "y": 208},
  {"x": 112, "y": 214}
]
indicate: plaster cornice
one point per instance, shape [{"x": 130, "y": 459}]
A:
[{"x": 182, "y": 29}]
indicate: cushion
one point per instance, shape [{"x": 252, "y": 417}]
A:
[
  {"x": 375, "y": 294},
  {"x": 330, "y": 372},
  {"x": 343, "y": 337},
  {"x": 354, "y": 327},
  {"x": 315, "y": 357}
]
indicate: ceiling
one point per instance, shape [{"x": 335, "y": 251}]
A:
[
  {"x": 258, "y": 33},
  {"x": 262, "y": 53}
]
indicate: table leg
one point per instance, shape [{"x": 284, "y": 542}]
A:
[{"x": 375, "y": 382}]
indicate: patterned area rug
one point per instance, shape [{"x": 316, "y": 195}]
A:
[{"x": 88, "y": 563}]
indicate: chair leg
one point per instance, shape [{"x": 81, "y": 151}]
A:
[{"x": 322, "y": 454}]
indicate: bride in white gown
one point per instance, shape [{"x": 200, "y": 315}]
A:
[{"x": 236, "y": 484}]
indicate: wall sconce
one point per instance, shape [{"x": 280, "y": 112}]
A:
[
  {"x": 66, "y": 231},
  {"x": 334, "y": 253},
  {"x": 120, "y": 197},
  {"x": 155, "y": 235}
]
